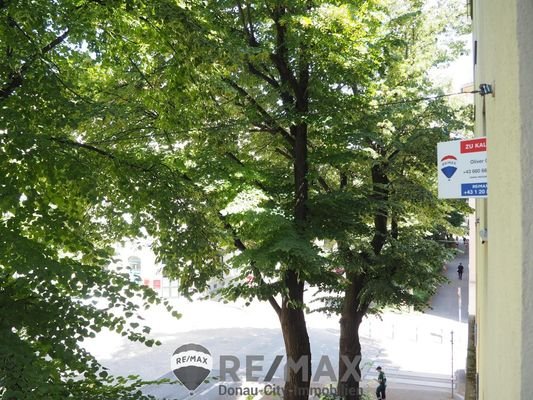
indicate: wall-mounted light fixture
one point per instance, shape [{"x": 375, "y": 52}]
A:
[
  {"x": 485, "y": 89},
  {"x": 484, "y": 235}
]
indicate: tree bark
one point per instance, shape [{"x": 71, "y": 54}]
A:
[
  {"x": 349, "y": 342},
  {"x": 354, "y": 308},
  {"x": 380, "y": 193},
  {"x": 296, "y": 338},
  {"x": 293, "y": 88},
  {"x": 292, "y": 315}
]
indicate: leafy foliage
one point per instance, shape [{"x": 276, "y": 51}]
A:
[
  {"x": 63, "y": 203},
  {"x": 284, "y": 140},
  {"x": 391, "y": 140}
]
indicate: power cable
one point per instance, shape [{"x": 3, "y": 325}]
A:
[{"x": 428, "y": 98}]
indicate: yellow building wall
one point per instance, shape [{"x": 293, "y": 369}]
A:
[
  {"x": 525, "y": 68},
  {"x": 504, "y": 33}
]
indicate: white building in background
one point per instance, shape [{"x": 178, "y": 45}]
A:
[{"x": 139, "y": 262}]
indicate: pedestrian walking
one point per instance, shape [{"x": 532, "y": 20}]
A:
[
  {"x": 382, "y": 380},
  {"x": 460, "y": 270}
]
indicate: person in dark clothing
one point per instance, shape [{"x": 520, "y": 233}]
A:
[
  {"x": 382, "y": 380},
  {"x": 460, "y": 270}
]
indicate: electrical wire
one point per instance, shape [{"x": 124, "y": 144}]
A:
[{"x": 428, "y": 98}]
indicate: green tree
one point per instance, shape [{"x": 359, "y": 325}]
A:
[
  {"x": 280, "y": 139},
  {"x": 63, "y": 203},
  {"x": 286, "y": 125},
  {"x": 239, "y": 134},
  {"x": 394, "y": 126},
  {"x": 239, "y": 131}
]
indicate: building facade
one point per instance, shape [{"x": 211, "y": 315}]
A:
[
  {"x": 139, "y": 262},
  {"x": 503, "y": 226}
]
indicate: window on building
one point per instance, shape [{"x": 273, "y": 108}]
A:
[{"x": 134, "y": 264}]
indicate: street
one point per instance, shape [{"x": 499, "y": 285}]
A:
[{"x": 414, "y": 349}]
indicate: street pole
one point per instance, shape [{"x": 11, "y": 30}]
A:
[{"x": 451, "y": 341}]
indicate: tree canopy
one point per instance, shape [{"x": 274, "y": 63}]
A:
[
  {"x": 63, "y": 205},
  {"x": 283, "y": 140}
]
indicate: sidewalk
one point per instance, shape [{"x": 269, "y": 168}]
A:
[
  {"x": 416, "y": 347},
  {"x": 399, "y": 389},
  {"x": 414, "y": 394},
  {"x": 451, "y": 300}
]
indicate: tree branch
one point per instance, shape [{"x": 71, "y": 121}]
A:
[
  {"x": 380, "y": 193},
  {"x": 281, "y": 151},
  {"x": 280, "y": 57},
  {"x": 17, "y": 78},
  {"x": 54, "y": 43},
  {"x": 247, "y": 25},
  {"x": 266, "y": 116},
  {"x": 142, "y": 74},
  {"x": 246, "y": 21},
  {"x": 14, "y": 82},
  {"x": 256, "y": 182},
  {"x": 324, "y": 184},
  {"x": 343, "y": 180},
  {"x": 99, "y": 151},
  {"x": 241, "y": 246},
  {"x": 393, "y": 155},
  {"x": 267, "y": 78},
  {"x": 250, "y": 24}
]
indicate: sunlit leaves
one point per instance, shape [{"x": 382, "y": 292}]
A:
[
  {"x": 62, "y": 202},
  {"x": 173, "y": 119}
]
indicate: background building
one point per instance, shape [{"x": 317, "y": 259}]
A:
[{"x": 140, "y": 263}]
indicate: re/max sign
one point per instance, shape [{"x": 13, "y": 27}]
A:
[{"x": 229, "y": 365}]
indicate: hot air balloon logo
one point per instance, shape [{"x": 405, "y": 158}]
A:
[
  {"x": 448, "y": 165},
  {"x": 191, "y": 363}
]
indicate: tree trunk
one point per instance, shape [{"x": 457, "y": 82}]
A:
[
  {"x": 296, "y": 77},
  {"x": 292, "y": 315},
  {"x": 354, "y": 309},
  {"x": 350, "y": 344},
  {"x": 380, "y": 193},
  {"x": 297, "y": 345}
]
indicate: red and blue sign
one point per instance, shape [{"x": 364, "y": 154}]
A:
[{"x": 462, "y": 169}]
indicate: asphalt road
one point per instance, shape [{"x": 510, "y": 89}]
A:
[
  {"x": 451, "y": 300},
  {"x": 241, "y": 331}
]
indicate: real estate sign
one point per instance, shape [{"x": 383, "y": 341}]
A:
[{"x": 462, "y": 169}]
